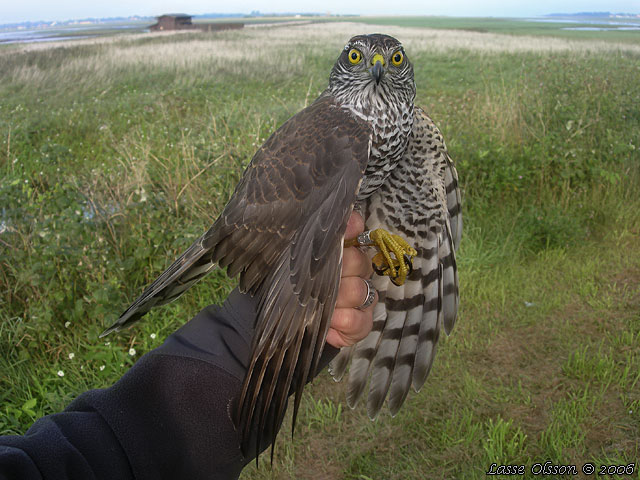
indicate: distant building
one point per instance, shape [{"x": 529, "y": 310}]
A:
[
  {"x": 180, "y": 21},
  {"x": 176, "y": 21}
]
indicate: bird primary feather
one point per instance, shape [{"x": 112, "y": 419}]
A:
[{"x": 361, "y": 144}]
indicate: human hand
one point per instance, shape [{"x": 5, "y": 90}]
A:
[{"x": 349, "y": 324}]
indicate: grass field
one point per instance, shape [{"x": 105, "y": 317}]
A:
[
  {"x": 116, "y": 153},
  {"x": 560, "y": 27}
]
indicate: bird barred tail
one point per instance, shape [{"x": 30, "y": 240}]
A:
[
  {"x": 396, "y": 351},
  {"x": 454, "y": 201},
  {"x": 450, "y": 295},
  {"x": 399, "y": 351},
  {"x": 365, "y": 351},
  {"x": 419, "y": 313},
  {"x": 429, "y": 331}
]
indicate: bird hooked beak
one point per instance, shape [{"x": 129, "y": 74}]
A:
[{"x": 377, "y": 71}]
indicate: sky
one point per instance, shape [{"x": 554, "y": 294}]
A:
[{"x": 12, "y": 11}]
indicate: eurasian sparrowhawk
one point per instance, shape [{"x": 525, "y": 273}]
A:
[{"x": 362, "y": 144}]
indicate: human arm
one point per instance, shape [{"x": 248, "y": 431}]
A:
[{"x": 168, "y": 417}]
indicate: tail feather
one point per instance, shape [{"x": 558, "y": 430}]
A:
[
  {"x": 450, "y": 296},
  {"x": 365, "y": 350},
  {"x": 405, "y": 356},
  {"x": 338, "y": 365},
  {"x": 453, "y": 202},
  {"x": 386, "y": 354},
  {"x": 428, "y": 335},
  {"x": 188, "y": 269}
]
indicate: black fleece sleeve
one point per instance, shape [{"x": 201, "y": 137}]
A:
[{"x": 168, "y": 417}]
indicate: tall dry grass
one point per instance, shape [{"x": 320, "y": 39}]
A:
[{"x": 272, "y": 51}]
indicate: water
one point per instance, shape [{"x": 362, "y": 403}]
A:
[
  {"x": 615, "y": 25},
  {"x": 30, "y": 36},
  {"x": 49, "y": 34},
  {"x": 595, "y": 29}
]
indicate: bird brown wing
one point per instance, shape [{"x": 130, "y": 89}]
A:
[
  {"x": 419, "y": 201},
  {"x": 318, "y": 157},
  {"x": 282, "y": 231}
]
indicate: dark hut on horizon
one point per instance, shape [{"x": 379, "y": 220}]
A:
[
  {"x": 181, "y": 21},
  {"x": 172, "y": 21}
]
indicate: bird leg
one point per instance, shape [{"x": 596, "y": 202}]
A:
[{"x": 396, "y": 267}]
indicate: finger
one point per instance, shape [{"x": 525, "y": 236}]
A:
[
  {"x": 349, "y": 326},
  {"x": 352, "y": 292},
  {"x": 352, "y": 322},
  {"x": 355, "y": 226},
  {"x": 336, "y": 339},
  {"x": 356, "y": 263}
]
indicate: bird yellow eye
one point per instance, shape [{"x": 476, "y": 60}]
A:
[
  {"x": 397, "y": 58},
  {"x": 355, "y": 56}
]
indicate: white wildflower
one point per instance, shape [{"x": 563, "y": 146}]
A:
[
  {"x": 67, "y": 324},
  {"x": 132, "y": 352},
  {"x": 60, "y": 373},
  {"x": 153, "y": 336},
  {"x": 71, "y": 355},
  {"x": 102, "y": 367}
]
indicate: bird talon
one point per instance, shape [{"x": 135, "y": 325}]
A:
[
  {"x": 380, "y": 269},
  {"x": 383, "y": 262},
  {"x": 408, "y": 260}
]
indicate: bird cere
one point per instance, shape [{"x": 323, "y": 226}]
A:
[{"x": 363, "y": 145}]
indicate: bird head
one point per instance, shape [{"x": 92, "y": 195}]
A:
[{"x": 373, "y": 65}]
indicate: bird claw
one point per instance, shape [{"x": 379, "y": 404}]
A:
[
  {"x": 397, "y": 267},
  {"x": 381, "y": 267}
]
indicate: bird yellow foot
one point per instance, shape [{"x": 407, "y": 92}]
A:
[{"x": 396, "y": 267}]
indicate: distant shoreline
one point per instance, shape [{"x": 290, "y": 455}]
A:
[{"x": 41, "y": 32}]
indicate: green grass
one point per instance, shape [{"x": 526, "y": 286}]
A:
[
  {"x": 114, "y": 156},
  {"x": 509, "y": 26}
]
